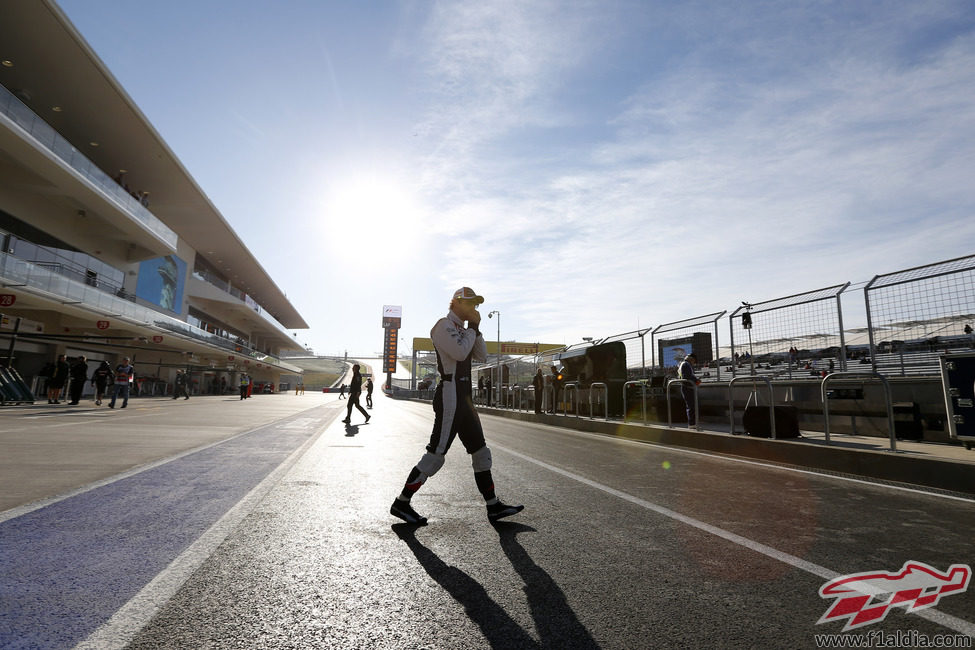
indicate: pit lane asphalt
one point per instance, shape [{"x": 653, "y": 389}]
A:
[{"x": 622, "y": 545}]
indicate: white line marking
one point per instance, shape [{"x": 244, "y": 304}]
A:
[
  {"x": 129, "y": 620},
  {"x": 946, "y": 620},
  {"x": 738, "y": 459}
]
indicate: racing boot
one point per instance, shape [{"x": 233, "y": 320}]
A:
[
  {"x": 501, "y": 510},
  {"x": 405, "y": 511}
]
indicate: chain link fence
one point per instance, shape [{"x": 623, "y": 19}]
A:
[
  {"x": 913, "y": 316},
  {"x": 795, "y": 336}
]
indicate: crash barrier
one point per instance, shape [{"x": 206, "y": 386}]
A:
[
  {"x": 570, "y": 394},
  {"x": 516, "y": 398},
  {"x": 697, "y": 403},
  {"x": 771, "y": 402},
  {"x": 592, "y": 387},
  {"x": 861, "y": 375},
  {"x": 572, "y": 385},
  {"x": 643, "y": 391}
]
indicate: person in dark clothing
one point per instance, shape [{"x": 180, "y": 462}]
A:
[
  {"x": 686, "y": 371},
  {"x": 79, "y": 375},
  {"x": 100, "y": 379},
  {"x": 355, "y": 389},
  {"x": 557, "y": 380},
  {"x": 369, "y": 387},
  {"x": 342, "y": 391},
  {"x": 538, "y": 382},
  {"x": 58, "y": 379},
  {"x": 453, "y": 406},
  {"x": 180, "y": 385}
]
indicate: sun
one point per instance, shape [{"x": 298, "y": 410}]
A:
[{"x": 366, "y": 210}]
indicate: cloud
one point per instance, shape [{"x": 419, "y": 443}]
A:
[{"x": 781, "y": 153}]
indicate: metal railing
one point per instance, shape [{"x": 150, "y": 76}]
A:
[
  {"x": 44, "y": 135},
  {"x": 516, "y": 398},
  {"x": 605, "y": 387},
  {"x": 44, "y": 282},
  {"x": 565, "y": 397},
  {"x": 861, "y": 375},
  {"x": 570, "y": 399}
]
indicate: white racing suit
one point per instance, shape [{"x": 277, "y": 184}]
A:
[{"x": 453, "y": 406}]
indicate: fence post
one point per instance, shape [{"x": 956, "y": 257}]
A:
[{"x": 599, "y": 384}]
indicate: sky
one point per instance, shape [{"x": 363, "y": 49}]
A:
[{"x": 590, "y": 168}]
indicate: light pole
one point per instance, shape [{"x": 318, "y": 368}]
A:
[{"x": 491, "y": 315}]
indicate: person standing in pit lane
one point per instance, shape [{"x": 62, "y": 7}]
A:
[
  {"x": 124, "y": 373},
  {"x": 538, "y": 383},
  {"x": 355, "y": 389},
  {"x": 369, "y": 387},
  {"x": 686, "y": 371},
  {"x": 453, "y": 406},
  {"x": 557, "y": 380},
  {"x": 79, "y": 375},
  {"x": 180, "y": 388},
  {"x": 100, "y": 379},
  {"x": 59, "y": 378}
]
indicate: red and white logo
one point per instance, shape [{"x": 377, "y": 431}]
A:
[{"x": 866, "y": 598}]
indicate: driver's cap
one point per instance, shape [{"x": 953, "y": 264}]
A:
[{"x": 466, "y": 293}]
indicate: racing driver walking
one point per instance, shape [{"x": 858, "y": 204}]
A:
[{"x": 453, "y": 407}]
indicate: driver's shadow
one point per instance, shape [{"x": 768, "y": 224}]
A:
[
  {"x": 555, "y": 622},
  {"x": 351, "y": 430},
  {"x": 496, "y": 625}
]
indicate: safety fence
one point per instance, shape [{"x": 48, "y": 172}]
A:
[
  {"x": 915, "y": 314},
  {"x": 912, "y": 316},
  {"x": 787, "y": 351}
]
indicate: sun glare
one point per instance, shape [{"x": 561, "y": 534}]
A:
[{"x": 361, "y": 212}]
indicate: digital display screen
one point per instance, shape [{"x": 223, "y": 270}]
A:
[{"x": 161, "y": 282}]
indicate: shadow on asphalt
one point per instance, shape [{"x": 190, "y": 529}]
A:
[
  {"x": 556, "y": 623},
  {"x": 496, "y": 625},
  {"x": 351, "y": 430}
]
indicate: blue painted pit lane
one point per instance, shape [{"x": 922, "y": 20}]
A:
[{"x": 68, "y": 567}]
